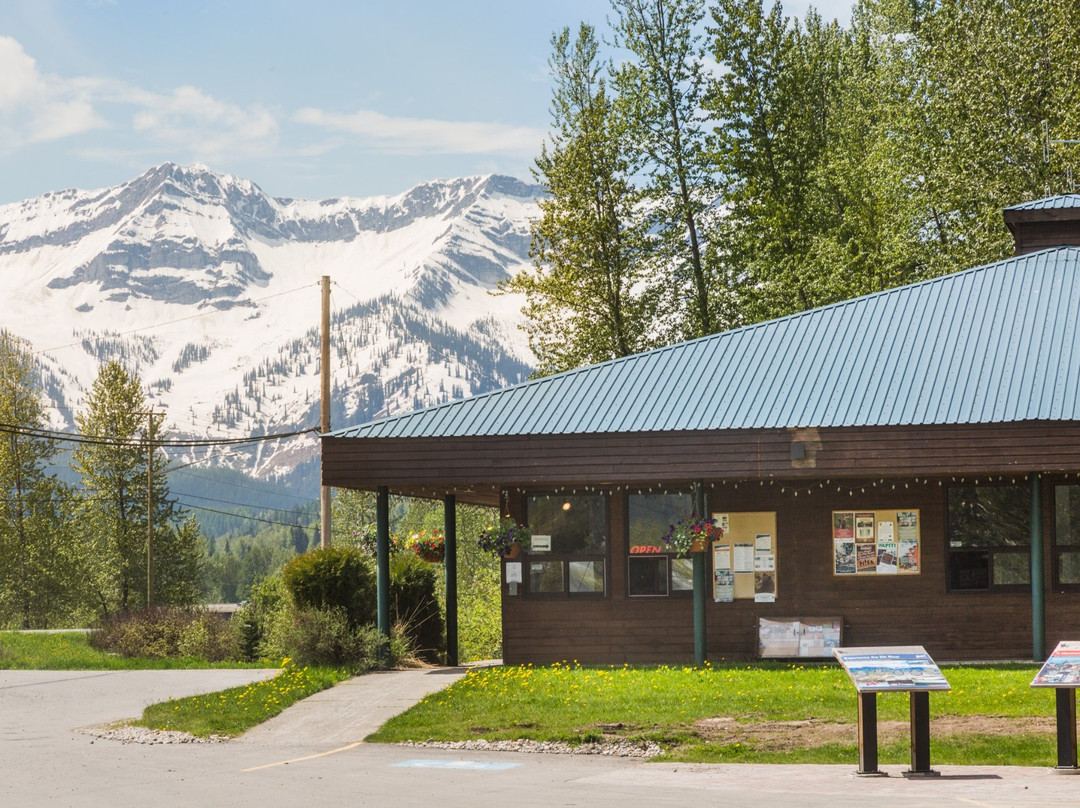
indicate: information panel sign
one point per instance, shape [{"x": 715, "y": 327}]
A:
[
  {"x": 1062, "y": 669},
  {"x": 892, "y": 668}
]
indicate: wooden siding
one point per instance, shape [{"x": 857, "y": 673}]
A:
[
  {"x": 877, "y": 610},
  {"x": 477, "y": 468}
]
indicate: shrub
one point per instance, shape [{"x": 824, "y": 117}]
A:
[
  {"x": 323, "y": 636},
  {"x": 253, "y": 619},
  {"x": 162, "y": 632},
  {"x": 415, "y": 606},
  {"x": 333, "y": 577}
]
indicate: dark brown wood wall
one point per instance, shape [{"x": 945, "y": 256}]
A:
[
  {"x": 476, "y": 468},
  {"x": 877, "y": 610}
]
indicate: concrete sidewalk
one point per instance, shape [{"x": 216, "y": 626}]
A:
[{"x": 353, "y": 709}]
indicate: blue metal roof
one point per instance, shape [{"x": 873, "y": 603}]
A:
[
  {"x": 1050, "y": 203},
  {"x": 996, "y": 343}
]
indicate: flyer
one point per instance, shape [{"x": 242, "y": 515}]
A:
[
  {"x": 843, "y": 525},
  {"x": 908, "y": 524},
  {"x": 721, "y": 556},
  {"x": 722, "y": 521},
  {"x": 864, "y": 527},
  {"x": 763, "y": 542},
  {"x": 865, "y": 557},
  {"x": 844, "y": 557},
  {"x": 885, "y": 531},
  {"x": 764, "y": 562},
  {"x": 908, "y": 554},
  {"x": 724, "y": 586},
  {"x": 886, "y": 558},
  {"x": 744, "y": 557},
  {"x": 764, "y": 587}
]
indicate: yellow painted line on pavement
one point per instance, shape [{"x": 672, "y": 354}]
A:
[{"x": 302, "y": 759}]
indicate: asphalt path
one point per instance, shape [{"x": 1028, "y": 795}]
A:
[{"x": 45, "y": 759}]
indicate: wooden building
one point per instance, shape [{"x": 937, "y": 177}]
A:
[{"x": 904, "y": 467}]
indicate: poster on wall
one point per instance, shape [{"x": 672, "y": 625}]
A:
[
  {"x": 843, "y": 525},
  {"x": 864, "y": 527},
  {"x": 876, "y": 542},
  {"x": 844, "y": 557},
  {"x": 723, "y": 586}
]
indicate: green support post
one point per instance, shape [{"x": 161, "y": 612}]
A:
[
  {"x": 701, "y": 584},
  {"x": 1038, "y": 586},
  {"x": 382, "y": 570},
  {"x": 450, "y": 571}
]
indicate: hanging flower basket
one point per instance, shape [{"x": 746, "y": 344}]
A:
[
  {"x": 504, "y": 540},
  {"x": 691, "y": 534},
  {"x": 429, "y": 546}
]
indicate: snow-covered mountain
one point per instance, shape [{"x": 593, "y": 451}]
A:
[{"x": 209, "y": 289}]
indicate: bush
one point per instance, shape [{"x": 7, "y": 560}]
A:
[
  {"x": 323, "y": 636},
  {"x": 333, "y": 578},
  {"x": 253, "y": 619},
  {"x": 162, "y": 632},
  {"x": 414, "y": 606}
]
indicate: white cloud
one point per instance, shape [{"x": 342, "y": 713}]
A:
[
  {"x": 36, "y": 108},
  {"x": 427, "y": 136}
]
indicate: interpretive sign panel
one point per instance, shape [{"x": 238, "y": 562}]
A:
[
  {"x": 1062, "y": 669},
  {"x": 888, "y": 669}
]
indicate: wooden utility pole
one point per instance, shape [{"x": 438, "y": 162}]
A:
[
  {"x": 324, "y": 491},
  {"x": 150, "y": 506}
]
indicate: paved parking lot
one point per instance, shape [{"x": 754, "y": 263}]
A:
[{"x": 311, "y": 755}]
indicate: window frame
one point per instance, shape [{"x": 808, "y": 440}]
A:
[
  {"x": 670, "y": 558},
  {"x": 1058, "y": 549},
  {"x": 565, "y": 559},
  {"x": 990, "y": 550}
]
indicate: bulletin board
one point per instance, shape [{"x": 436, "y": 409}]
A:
[
  {"x": 868, "y": 542},
  {"x": 744, "y": 561}
]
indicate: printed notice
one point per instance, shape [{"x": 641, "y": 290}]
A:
[
  {"x": 723, "y": 586},
  {"x": 763, "y": 542},
  {"x": 721, "y": 556},
  {"x": 885, "y": 531},
  {"x": 764, "y": 562},
  {"x": 744, "y": 558},
  {"x": 864, "y": 527},
  {"x": 908, "y": 522}
]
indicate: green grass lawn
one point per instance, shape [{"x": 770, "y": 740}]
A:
[
  {"x": 71, "y": 651},
  {"x": 231, "y": 712},
  {"x": 673, "y": 706}
]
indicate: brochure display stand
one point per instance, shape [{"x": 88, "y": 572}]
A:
[
  {"x": 887, "y": 670},
  {"x": 1062, "y": 672}
]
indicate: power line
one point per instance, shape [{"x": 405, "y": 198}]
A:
[
  {"x": 71, "y": 437},
  {"x": 243, "y": 505},
  {"x": 249, "y": 518}
]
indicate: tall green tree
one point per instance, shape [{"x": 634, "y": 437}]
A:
[
  {"x": 986, "y": 78},
  {"x": 112, "y": 465},
  {"x": 587, "y": 299},
  {"x": 663, "y": 83},
  {"x": 38, "y": 562}
]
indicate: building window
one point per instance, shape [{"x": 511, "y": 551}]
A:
[
  {"x": 989, "y": 530},
  {"x": 652, "y": 571},
  {"x": 1067, "y": 535},
  {"x": 568, "y": 555}
]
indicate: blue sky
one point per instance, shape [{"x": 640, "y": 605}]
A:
[{"x": 309, "y": 99}]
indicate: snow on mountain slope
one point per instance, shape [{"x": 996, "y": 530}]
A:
[{"x": 209, "y": 290}]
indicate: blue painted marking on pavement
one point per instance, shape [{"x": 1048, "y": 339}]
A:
[{"x": 461, "y": 765}]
